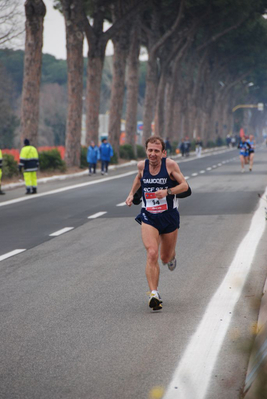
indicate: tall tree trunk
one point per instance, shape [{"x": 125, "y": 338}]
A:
[
  {"x": 150, "y": 96},
  {"x": 73, "y": 14},
  {"x": 117, "y": 92},
  {"x": 93, "y": 90},
  {"x": 121, "y": 50},
  {"x": 97, "y": 40},
  {"x": 160, "y": 106},
  {"x": 133, "y": 85},
  {"x": 35, "y": 12}
]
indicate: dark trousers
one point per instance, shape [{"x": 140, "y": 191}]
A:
[
  {"x": 92, "y": 166},
  {"x": 104, "y": 166}
]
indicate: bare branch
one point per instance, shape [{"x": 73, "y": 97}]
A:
[{"x": 169, "y": 32}]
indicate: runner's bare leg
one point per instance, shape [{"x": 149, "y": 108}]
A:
[
  {"x": 168, "y": 243},
  {"x": 150, "y": 237}
]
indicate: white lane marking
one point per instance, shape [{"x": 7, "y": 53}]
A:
[
  {"x": 96, "y": 215},
  {"x": 214, "y": 166},
  {"x": 60, "y": 190},
  {"x": 192, "y": 376},
  {"x": 121, "y": 204},
  {"x": 12, "y": 253},
  {"x": 187, "y": 177},
  {"x": 194, "y": 174},
  {"x": 219, "y": 164},
  {"x": 202, "y": 171},
  {"x": 208, "y": 168},
  {"x": 62, "y": 231}
]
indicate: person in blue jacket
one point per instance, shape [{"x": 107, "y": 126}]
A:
[
  {"x": 92, "y": 157},
  {"x": 106, "y": 152}
]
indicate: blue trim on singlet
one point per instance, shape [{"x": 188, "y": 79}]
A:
[
  {"x": 161, "y": 181},
  {"x": 244, "y": 148},
  {"x": 252, "y": 146}
]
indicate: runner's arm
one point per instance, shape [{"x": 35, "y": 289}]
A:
[
  {"x": 175, "y": 172},
  {"x": 136, "y": 183}
]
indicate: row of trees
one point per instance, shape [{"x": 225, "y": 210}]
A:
[{"x": 204, "y": 57}]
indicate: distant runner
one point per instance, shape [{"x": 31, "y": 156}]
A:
[
  {"x": 251, "y": 142},
  {"x": 244, "y": 148},
  {"x": 159, "y": 218}
]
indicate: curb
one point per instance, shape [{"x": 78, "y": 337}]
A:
[{"x": 255, "y": 382}]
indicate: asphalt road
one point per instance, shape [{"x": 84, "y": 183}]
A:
[{"x": 74, "y": 316}]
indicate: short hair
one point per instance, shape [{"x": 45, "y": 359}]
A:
[{"x": 153, "y": 139}]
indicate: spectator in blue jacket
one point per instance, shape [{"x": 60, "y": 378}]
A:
[
  {"x": 106, "y": 152},
  {"x": 92, "y": 157}
]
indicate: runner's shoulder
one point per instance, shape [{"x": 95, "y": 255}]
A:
[
  {"x": 141, "y": 165},
  {"x": 171, "y": 164}
]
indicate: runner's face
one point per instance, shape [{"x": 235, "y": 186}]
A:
[{"x": 154, "y": 153}]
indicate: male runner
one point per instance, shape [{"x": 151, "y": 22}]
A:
[
  {"x": 251, "y": 142},
  {"x": 159, "y": 217},
  {"x": 244, "y": 148}
]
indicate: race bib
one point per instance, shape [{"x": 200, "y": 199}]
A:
[{"x": 154, "y": 204}]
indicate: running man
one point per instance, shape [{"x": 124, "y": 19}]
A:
[
  {"x": 244, "y": 147},
  {"x": 251, "y": 142},
  {"x": 159, "y": 218}
]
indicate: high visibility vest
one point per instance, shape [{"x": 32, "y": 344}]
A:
[
  {"x": 29, "y": 159},
  {"x": 1, "y": 160}
]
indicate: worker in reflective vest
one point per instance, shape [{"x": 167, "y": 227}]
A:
[
  {"x": 29, "y": 161},
  {"x": 1, "y": 165}
]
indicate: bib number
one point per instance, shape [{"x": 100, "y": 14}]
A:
[{"x": 154, "y": 204}]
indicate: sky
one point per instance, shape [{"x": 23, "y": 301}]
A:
[{"x": 54, "y": 41}]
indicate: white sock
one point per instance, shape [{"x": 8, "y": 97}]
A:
[{"x": 155, "y": 292}]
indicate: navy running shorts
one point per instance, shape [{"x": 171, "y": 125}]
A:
[{"x": 165, "y": 222}]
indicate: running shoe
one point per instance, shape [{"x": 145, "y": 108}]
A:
[
  {"x": 171, "y": 265},
  {"x": 242, "y": 170},
  {"x": 155, "y": 301}
]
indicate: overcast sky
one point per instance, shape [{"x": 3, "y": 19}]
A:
[
  {"x": 54, "y": 33},
  {"x": 54, "y": 41}
]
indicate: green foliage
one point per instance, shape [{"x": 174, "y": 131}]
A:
[
  {"x": 13, "y": 61},
  {"x": 83, "y": 158},
  {"x": 127, "y": 152},
  {"x": 211, "y": 144},
  {"x": 114, "y": 159},
  {"x": 10, "y": 166},
  {"x": 51, "y": 160},
  {"x": 220, "y": 141},
  {"x": 53, "y": 70},
  {"x": 8, "y": 123},
  {"x": 141, "y": 152}
]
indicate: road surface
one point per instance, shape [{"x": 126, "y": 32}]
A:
[{"x": 75, "y": 321}]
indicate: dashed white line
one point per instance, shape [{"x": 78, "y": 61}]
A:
[
  {"x": 214, "y": 166},
  {"x": 208, "y": 168},
  {"x": 96, "y": 215},
  {"x": 202, "y": 171},
  {"x": 219, "y": 164},
  {"x": 62, "y": 231},
  {"x": 121, "y": 204},
  {"x": 61, "y": 190},
  {"x": 12, "y": 253},
  {"x": 187, "y": 177},
  {"x": 194, "y": 174}
]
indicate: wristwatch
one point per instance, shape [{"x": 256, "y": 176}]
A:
[{"x": 169, "y": 191}]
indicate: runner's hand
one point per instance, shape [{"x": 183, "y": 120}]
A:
[
  {"x": 161, "y": 194},
  {"x": 129, "y": 200}
]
